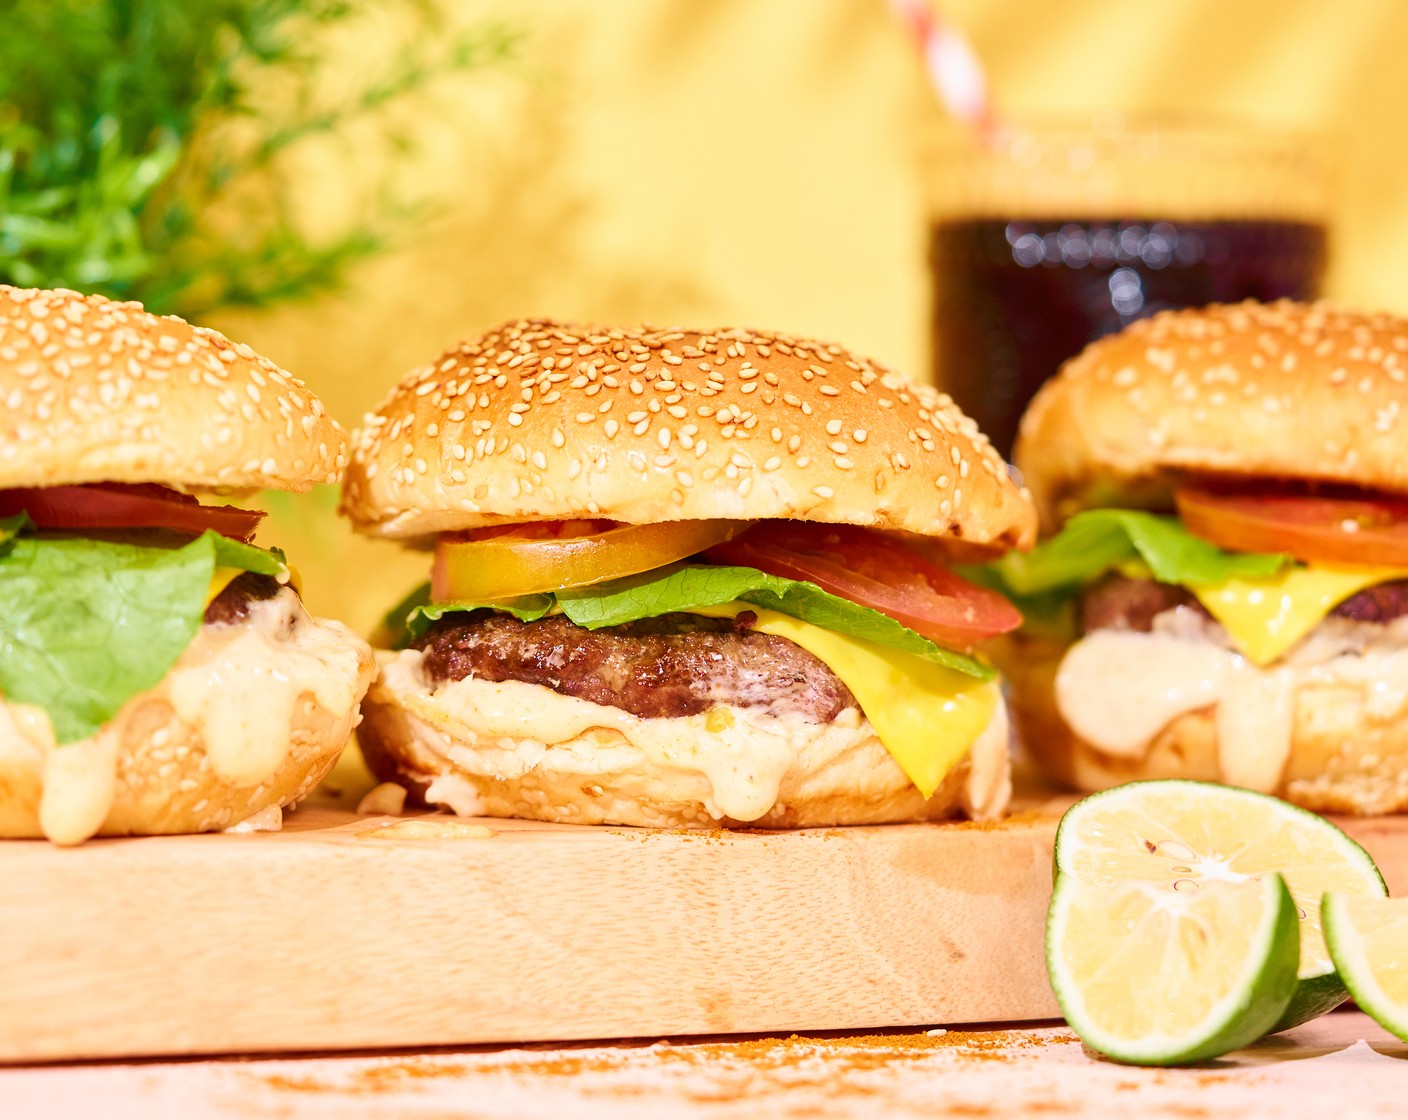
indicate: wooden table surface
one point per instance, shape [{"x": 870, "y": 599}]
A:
[
  {"x": 1339, "y": 1067},
  {"x": 370, "y": 933}
]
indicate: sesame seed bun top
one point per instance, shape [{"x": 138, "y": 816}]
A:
[
  {"x": 544, "y": 421},
  {"x": 1306, "y": 392},
  {"x": 97, "y": 391}
]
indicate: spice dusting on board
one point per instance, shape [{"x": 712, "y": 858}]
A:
[
  {"x": 726, "y": 1070},
  {"x": 1011, "y": 820}
]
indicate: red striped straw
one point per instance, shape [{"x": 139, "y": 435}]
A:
[{"x": 951, "y": 63}]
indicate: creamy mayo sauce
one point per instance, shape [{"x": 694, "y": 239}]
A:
[
  {"x": 988, "y": 787},
  {"x": 25, "y": 730},
  {"x": 1118, "y": 689},
  {"x": 79, "y": 786},
  {"x": 744, "y": 765},
  {"x": 268, "y": 819},
  {"x": 386, "y": 799},
  {"x": 456, "y": 794},
  {"x": 742, "y": 753},
  {"x": 238, "y": 685}
]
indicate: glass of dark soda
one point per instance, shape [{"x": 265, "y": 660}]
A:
[{"x": 1045, "y": 238}]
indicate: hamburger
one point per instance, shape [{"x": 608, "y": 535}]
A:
[
  {"x": 158, "y": 672},
  {"x": 684, "y": 578},
  {"x": 1225, "y": 596}
]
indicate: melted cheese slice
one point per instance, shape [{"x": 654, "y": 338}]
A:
[
  {"x": 222, "y": 579},
  {"x": 927, "y": 716},
  {"x": 1266, "y": 617}
]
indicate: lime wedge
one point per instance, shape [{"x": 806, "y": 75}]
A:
[
  {"x": 1176, "y": 832},
  {"x": 1368, "y": 939},
  {"x": 1159, "y": 977}
]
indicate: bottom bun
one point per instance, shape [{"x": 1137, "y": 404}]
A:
[
  {"x": 1348, "y": 751},
  {"x": 512, "y": 749},
  {"x": 250, "y": 718}
]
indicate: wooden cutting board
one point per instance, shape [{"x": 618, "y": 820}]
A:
[{"x": 349, "y": 932}]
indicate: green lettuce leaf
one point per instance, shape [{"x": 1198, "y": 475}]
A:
[
  {"x": 526, "y": 608},
  {"x": 248, "y": 557},
  {"x": 87, "y": 624},
  {"x": 10, "y": 528},
  {"x": 395, "y": 628},
  {"x": 695, "y": 587},
  {"x": 1096, "y": 541}
]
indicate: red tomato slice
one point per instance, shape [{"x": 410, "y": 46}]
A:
[
  {"x": 115, "y": 506},
  {"x": 1337, "y": 530},
  {"x": 877, "y": 572}
]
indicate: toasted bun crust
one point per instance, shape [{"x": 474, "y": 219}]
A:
[
  {"x": 165, "y": 782},
  {"x": 1281, "y": 390},
  {"x": 1344, "y": 758},
  {"x": 598, "y": 777},
  {"x": 97, "y": 391},
  {"x": 155, "y": 798},
  {"x": 544, "y": 421}
]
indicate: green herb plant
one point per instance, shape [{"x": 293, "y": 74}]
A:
[{"x": 149, "y": 148}]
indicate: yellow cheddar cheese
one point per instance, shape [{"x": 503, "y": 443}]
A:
[
  {"x": 1265, "y": 617},
  {"x": 926, "y": 715},
  {"x": 222, "y": 579}
]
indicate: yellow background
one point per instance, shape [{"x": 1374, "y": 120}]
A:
[{"x": 706, "y": 162}]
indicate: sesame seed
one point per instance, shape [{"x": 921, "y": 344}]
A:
[
  {"x": 97, "y": 368},
  {"x": 751, "y": 385}
]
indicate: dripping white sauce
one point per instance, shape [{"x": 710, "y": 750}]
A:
[
  {"x": 988, "y": 786},
  {"x": 1118, "y": 689},
  {"x": 268, "y": 819},
  {"x": 238, "y": 685},
  {"x": 742, "y": 753},
  {"x": 241, "y": 684},
  {"x": 79, "y": 787}
]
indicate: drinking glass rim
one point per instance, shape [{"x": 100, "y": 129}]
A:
[{"x": 1185, "y": 165}]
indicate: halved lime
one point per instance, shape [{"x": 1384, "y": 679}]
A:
[
  {"x": 1368, "y": 940},
  {"x": 1182, "y": 835},
  {"x": 1159, "y": 977}
]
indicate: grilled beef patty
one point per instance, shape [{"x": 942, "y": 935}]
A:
[
  {"x": 232, "y": 604},
  {"x": 674, "y": 665},
  {"x": 1120, "y": 603}
]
